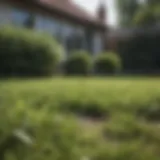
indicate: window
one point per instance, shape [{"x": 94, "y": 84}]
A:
[
  {"x": 49, "y": 25},
  {"x": 20, "y": 17},
  {"x": 75, "y": 38}
]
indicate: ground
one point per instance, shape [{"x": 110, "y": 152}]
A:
[{"x": 108, "y": 111}]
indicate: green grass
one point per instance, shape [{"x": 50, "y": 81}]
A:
[
  {"x": 59, "y": 116},
  {"x": 93, "y": 97}
]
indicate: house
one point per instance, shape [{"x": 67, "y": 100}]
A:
[{"x": 70, "y": 24}]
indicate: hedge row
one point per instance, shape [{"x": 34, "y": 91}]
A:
[
  {"x": 108, "y": 63},
  {"x": 78, "y": 63},
  {"x": 83, "y": 64},
  {"x": 26, "y": 53}
]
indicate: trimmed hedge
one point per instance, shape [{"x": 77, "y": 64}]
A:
[
  {"x": 78, "y": 63},
  {"x": 107, "y": 63},
  {"x": 26, "y": 53},
  {"x": 140, "y": 52}
]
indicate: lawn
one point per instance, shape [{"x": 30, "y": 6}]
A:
[
  {"x": 95, "y": 97},
  {"x": 82, "y": 118}
]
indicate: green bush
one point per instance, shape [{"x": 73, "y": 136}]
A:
[
  {"x": 26, "y": 53},
  {"x": 78, "y": 63},
  {"x": 140, "y": 53},
  {"x": 107, "y": 63}
]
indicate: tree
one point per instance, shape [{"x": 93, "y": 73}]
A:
[
  {"x": 132, "y": 12},
  {"x": 126, "y": 11},
  {"x": 148, "y": 14},
  {"x": 152, "y": 1}
]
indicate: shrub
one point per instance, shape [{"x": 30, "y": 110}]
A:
[
  {"x": 78, "y": 63},
  {"x": 107, "y": 63},
  {"x": 26, "y": 53},
  {"x": 140, "y": 53}
]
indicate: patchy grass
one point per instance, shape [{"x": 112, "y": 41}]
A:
[{"x": 81, "y": 118}]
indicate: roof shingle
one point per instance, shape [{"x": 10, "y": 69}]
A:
[{"x": 70, "y": 8}]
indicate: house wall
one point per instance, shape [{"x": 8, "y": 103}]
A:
[
  {"x": 98, "y": 43},
  {"x": 4, "y": 14},
  {"x": 60, "y": 28}
]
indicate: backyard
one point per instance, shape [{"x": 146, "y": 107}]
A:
[{"x": 75, "y": 87}]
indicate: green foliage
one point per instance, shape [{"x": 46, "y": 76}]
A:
[
  {"x": 78, "y": 63},
  {"x": 126, "y": 11},
  {"x": 134, "y": 12},
  {"x": 107, "y": 63},
  {"x": 140, "y": 53},
  {"x": 26, "y": 53},
  {"x": 147, "y": 16}
]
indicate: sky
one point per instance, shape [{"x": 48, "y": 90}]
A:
[{"x": 91, "y": 6}]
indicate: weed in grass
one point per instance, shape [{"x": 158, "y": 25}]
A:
[
  {"x": 134, "y": 150},
  {"x": 124, "y": 127}
]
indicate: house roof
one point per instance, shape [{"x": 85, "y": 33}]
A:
[{"x": 69, "y": 8}]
